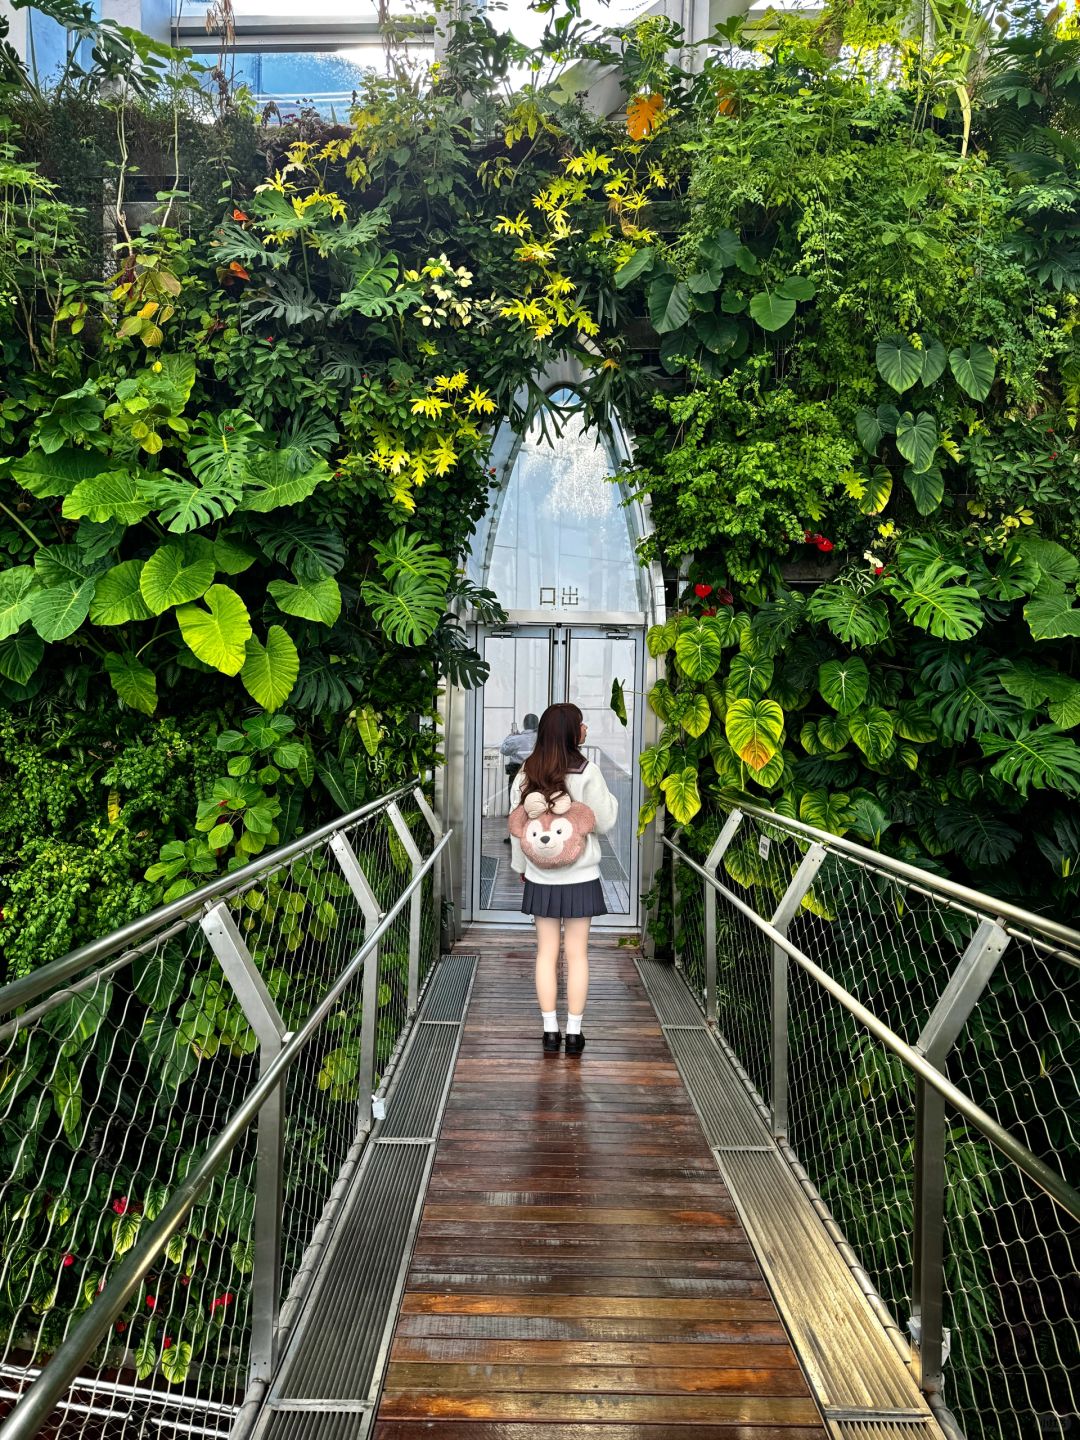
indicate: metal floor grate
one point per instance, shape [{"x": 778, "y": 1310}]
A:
[
  {"x": 856, "y": 1373},
  {"x": 331, "y": 1370},
  {"x": 668, "y": 991}
]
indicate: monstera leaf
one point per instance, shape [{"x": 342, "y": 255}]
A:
[
  {"x": 853, "y": 618},
  {"x": 936, "y": 597},
  {"x": 1044, "y": 758},
  {"x": 754, "y": 729}
]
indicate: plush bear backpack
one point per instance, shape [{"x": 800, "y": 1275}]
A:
[{"x": 551, "y": 836}]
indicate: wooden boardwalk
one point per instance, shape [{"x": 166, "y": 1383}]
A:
[{"x": 580, "y": 1271}]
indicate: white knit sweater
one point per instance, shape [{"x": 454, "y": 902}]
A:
[{"x": 589, "y": 787}]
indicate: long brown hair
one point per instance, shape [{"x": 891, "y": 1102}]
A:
[{"x": 556, "y": 753}]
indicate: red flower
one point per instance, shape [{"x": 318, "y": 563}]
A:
[
  {"x": 220, "y": 1301},
  {"x": 824, "y": 545},
  {"x": 166, "y": 1344},
  {"x": 702, "y": 591},
  {"x": 185, "y": 1279},
  {"x": 239, "y": 216},
  {"x": 710, "y": 611},
  {"x": 121, "y": 1326},
  {"x": 725, "y": 597},
  {"x": 1052, "y": 455},
  {"x": 151, "y": 1302},
  {"x": 879, "y": 569},
  {"x": 120, "y": 1205},
  {"x": 68, "y": 1260},
  {"x": 237, "y": 270}
]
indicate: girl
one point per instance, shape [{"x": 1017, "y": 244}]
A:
[{"x": 570, "y": 895}]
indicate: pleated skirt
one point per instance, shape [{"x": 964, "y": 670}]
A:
[{"x": 564, "y": 902}]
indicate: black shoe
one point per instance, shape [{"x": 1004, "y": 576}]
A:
[
  {"x": 575, "y": 1044},
  {"x": 506, "y": 841},
  {"x": 552, "y": 1041}
]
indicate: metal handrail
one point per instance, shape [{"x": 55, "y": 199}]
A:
[
  {"x": 38, "y": 1402},
  {"x": 1059, "y": 1190},
  {"x": 30, "y": 987},
  {"x": 950, "y": 890}
]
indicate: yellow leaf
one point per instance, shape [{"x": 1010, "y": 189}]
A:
[
  {"x": 642, "y": 115},
  {"x": 114, "y": 806}
]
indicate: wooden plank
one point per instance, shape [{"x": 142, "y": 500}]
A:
[
  {"x": 580, "y": 1271},
  {"x": 421, "y": 1404}
]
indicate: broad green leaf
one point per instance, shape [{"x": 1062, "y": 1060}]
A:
[
  {"x": 638, "y": 264},
  {"x": 927, "y": 488},
  {"x": 660, "y": 638},
  {"x": 20, "y": 656},
  {"x": 58, "y": 611},
  {"x": 176, "y": 1362},
  {"x": 661, "y": 701},
  {"x": 869, "y": 430},
  {"x": 899, "y": 364},
  {"x": 873, "y": 731},
  {"x": 1052, "y": 617},
  {"x": 133, "y": 681},
  {"x": 974, "y": 370},
  {"x": 231, "y": 558},
  {"x": 118, "y": 598},
  {"x": 913, "y": 723},
  {"x": 699, "y": 648},
  {"x": 116, "y": 495},
  {"x": 917, "y": 438},
  {"x": 935, "y": 598},
  {"x": 368, "y": 728},
  {"x": 16, "y": 588},
  {"x": 273, "y": 483},
  {"x": 695, "y": 715},
  {"x": 168, "y": 579},
  {"x": 934, "y": 359},
  {"x": 748, "y": 679},
  {"x": 67, "y": 1098},
  {"x": 843, "y": 684},
  {"x": 618, "y": 701},
  {"x": 217, "y": 635},
  {"x": 833, "y": 732},
  {"x": 48, "y": 476},
  {"x": 1064, "y": 707},
  {"x": 221, "y": 450},
  {"x": 647, "y": 814},
  {"x": 809, "y": 738},
  {"x": 877, "y": 492},
  {"x": 654, "y": 763},
  {"x": 681, "y": 795},
  {"x": 1044, "y": 758},
  {"x": 669, "y": 303},
  {"x": 270, "y": 670},
  {"x": 754, "y": 729},
  {"x": 318, "y": 600},
  {"x": 797, "y": 287},
  {"x": 831, "y": 812},
  {"x": 1057, "y": 567},
  {"x": 853, "y": 618},
  {"x": 721, "y": 248},
  {"x": 771, "y": 309}
]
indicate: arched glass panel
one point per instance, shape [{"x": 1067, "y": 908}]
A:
[{"x": 562, "y": 537}]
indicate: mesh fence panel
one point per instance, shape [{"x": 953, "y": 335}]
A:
[
  {"x": 112, "y": 1087},
  {"x": 1011, "y": 1279}
]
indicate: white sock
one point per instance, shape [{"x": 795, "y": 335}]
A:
[
  {"x": 551, "y": 1020},
  {"x": 573, "y": 1024}
]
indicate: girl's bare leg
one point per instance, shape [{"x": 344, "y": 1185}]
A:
[
  {"x": 547, "y": 962},
  {"x": 576, "y": 939}
]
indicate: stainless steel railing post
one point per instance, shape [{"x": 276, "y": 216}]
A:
[
  {"x": 778, "y": 1050},
  {"x": 939, "y": 1035},
  {"x": 262, "y": 1015},
  {"x": 357, "y": 882},
  {"x": 416, "y": 861},
  {"x": 712, "y": 860}
]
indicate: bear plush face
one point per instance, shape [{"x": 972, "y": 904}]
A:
[{"x": 552, "y": 838}]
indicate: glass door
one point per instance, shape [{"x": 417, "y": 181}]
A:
[{"x": 533, "y": 666}]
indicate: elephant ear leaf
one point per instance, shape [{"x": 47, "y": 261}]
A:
[
  {"x": 217, "y": 634},
  {"x": 973, "y": 370},
  {"x": 133, "y": 681},
  {"x": 899, "y": 364},
  {"x": 269, "y": 671}
]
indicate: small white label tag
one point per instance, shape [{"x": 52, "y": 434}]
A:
[
  {"x": 764, "y": 846},
  {"x": 378, "y": 1107}
]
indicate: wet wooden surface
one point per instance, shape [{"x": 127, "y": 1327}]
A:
[{"x": 580, "y": 1271}]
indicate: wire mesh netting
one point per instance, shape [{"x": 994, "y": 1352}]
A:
[
  {"x": 113, "y": 1085},
  {"x": 1011, "y": 1283}
]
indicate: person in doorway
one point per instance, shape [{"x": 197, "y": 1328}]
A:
[
  {"x": 516, "y": 749},
  {"x": 564, "y": 800}
]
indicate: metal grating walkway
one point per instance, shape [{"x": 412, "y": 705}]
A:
[{"x": 329, "y": 1374}]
